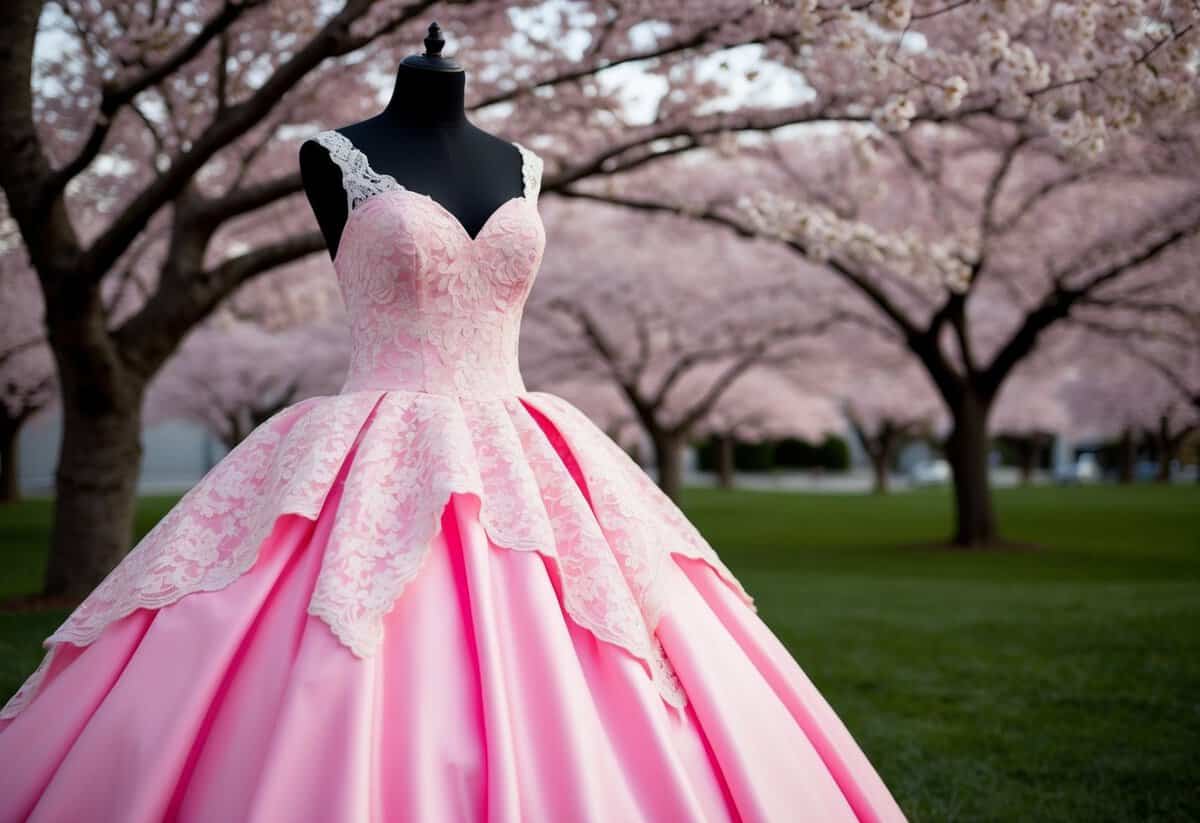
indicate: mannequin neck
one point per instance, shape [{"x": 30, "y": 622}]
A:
[{"x": 427, "y": 98}]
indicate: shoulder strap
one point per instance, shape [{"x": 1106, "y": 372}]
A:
[
  {"x": 531, "y": 172},
  {"x": 361, "y": 181},
  {"x": 358, "y": 178}
]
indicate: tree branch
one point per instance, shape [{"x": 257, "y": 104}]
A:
[
  {"x": 115, "y": 96},
  {"x": 1182, "y": 221},
  {"x": 332, "y": 40}
]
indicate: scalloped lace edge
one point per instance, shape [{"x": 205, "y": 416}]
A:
[
  {"x": 655, "y": 660},
  {"x": 652, "y": 655}
]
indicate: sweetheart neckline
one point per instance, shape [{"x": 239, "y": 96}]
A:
[
  {"x": 528, "y": 157},
  {"x": 453, "y": 219},
  {"x": 472, "y": 241}
]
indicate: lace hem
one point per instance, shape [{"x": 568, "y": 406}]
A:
[{"x": 408, "y": 452}]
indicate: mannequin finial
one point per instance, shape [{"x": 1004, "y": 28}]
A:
[{"x": 432, "y": 59}]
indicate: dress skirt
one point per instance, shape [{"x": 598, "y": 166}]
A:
[{"x": 484, "y": 702}]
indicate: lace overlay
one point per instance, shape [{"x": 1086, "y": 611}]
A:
[
  {"x": 431, "y": 308},
  {"x": 433, "y": 405}
]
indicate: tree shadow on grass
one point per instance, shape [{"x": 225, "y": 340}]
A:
[
  {"x": 998, "y": 546},
  {"x": 27, "y": 603}
]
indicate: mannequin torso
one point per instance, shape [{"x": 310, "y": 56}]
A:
[{"x": 424, "y": 140}]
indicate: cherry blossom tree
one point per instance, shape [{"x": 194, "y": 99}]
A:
[
  {"x": 1001, "y": 128},
  {"x": 1032, "y": 408},
  {"x": 1037, "y": 240},
  {"x": 1179, "y": 369},
  {"x": 889, "y": 401},
  {"x": 880, "y": 390},
  {"x": 230, "y": 375},
  {"x": 1160, "y": 334},
  {"x": 673, "y": 333},
  {"x": 766, "y": 405},
  {"x": 972, "y": 246},
  {"x": 1112, "y": 392}
]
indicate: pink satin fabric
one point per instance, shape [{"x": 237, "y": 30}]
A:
[{"x": 486, "y": 703}]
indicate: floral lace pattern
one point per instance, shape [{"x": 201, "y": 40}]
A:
[
  {"x": 433, "y": 405},
  {"x": 430, "y": 307}
]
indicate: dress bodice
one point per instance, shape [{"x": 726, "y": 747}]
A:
[{"x": 431, "y": 308}]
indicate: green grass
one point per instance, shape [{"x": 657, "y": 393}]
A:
[
  {"x": 1061, "y": 684},
  {"x": 1057, "y": 684}
]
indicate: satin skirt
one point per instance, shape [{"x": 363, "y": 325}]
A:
[{"x": 485, "y": 703}]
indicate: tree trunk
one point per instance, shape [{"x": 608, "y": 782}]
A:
[
  {"x": 1166, "y": 450},
  {"x": 1164, "y": 468},
  {"x": 668, "y": 455},
  {"x": 879, "y": 448},
  {"x": 1027, "y": 457},
  {"x": 879, "y": 465},
  {"x": 725, "y": 461},
  {"x": 96, "y": 479},
  {"x": 1127, "y": 456},
  {"x": 967, "y": 453},
  {"x": 10, "y": 486}
]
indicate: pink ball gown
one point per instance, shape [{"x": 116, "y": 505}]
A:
[{"x": 434, "y": 596}]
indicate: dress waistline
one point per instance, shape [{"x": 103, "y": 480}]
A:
[{"x": 496, "y": 386}]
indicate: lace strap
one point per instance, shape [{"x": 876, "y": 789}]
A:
[
  {"x": 358, "y": 178},
  {"x": 531, "y": 172},
  {"x": 361, "y": 181}
]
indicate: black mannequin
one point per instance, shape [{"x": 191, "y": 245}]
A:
[{"x": 424, "y": 140}]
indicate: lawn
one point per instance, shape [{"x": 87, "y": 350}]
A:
[{"x": 1055, "y": 684}]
